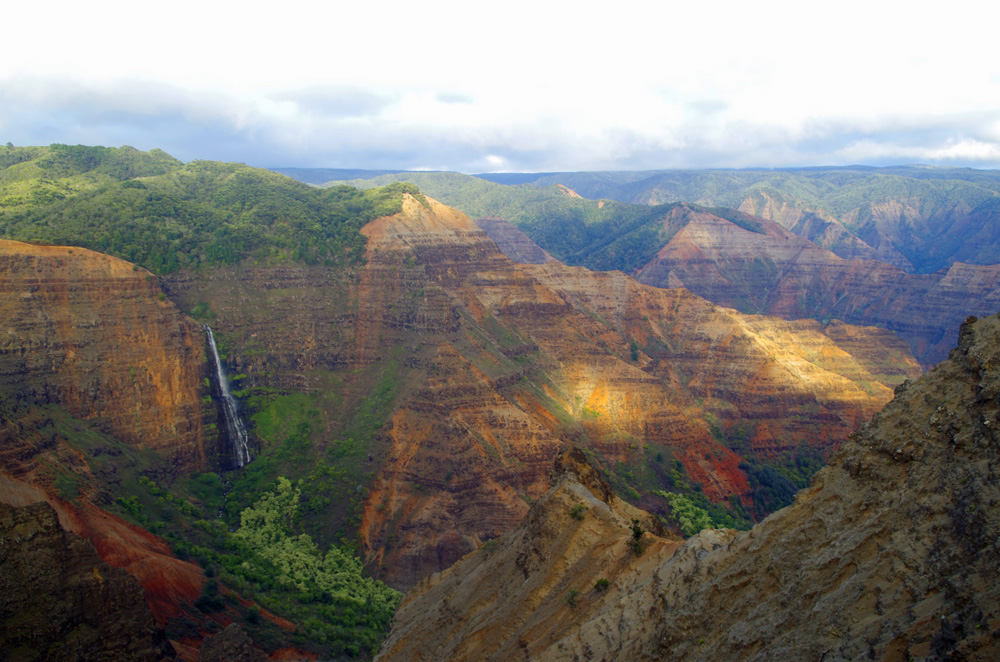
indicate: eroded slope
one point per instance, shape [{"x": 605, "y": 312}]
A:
[{"x": 891, "y": 554}]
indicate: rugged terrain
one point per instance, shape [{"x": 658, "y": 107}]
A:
[
  {"x": 890, "y": 554},
  {"x": 413, "y": 381},
  {"x": 434, "y": 385},
  {"x": 95, "y": 335},
  {"x": 768, "y": 269},
  {"x": 921, "y": 219},
  {"x": 60, "y": 601},
  {"x": 909, "y": 249}
]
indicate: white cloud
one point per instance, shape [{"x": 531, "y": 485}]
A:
[{"x": 553, "y": 85}]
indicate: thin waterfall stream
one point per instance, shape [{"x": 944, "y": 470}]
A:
[{"x": 235, "y": 430}]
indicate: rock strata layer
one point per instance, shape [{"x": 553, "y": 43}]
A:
[
  {"x": 96, "y": 335},
  {"x": 774, "y": 272},
  {"x": 487, "y": 368},
  {"x": 891, "y": 554}
]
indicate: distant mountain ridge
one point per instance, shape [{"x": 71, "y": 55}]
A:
[{"x": 845, "y": 281}]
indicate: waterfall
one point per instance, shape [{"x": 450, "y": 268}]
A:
[{"x": 235, "y": 430}]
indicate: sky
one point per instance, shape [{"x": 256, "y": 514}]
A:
[{"x": 517, "y": 86}]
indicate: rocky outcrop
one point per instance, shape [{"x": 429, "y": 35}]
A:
[
  {"x": 518, "y": 595},
  {"x": 891, "y": 554},
  {"x": 775, "y": 272},
  {"x": 59, "y": 601},
  {"x": 95, "y": 335}
]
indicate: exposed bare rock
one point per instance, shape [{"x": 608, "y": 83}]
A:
[
  {"x": 775, "y": 272},
  {"x": 94, "y": 334},
  {"x": 891, "y": 554},
  {"x": 517, "y": 596},
  {"x": 230, "y": 645},
  {"x": 59, "y": 601}
]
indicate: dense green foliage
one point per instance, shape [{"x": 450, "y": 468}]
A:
[
  {"x": 150, "y": 209},
  {"x": 327, "y": 593},
  {"x": 690, "y": 518}
]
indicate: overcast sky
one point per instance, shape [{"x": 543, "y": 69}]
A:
[{"x": 510, "y": 86}]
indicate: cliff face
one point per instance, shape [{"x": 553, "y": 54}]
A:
[
  {"x": 778, "y": 273},
  {"x": 94, "y": 334},
  {"x": 512, "y": 242},
  {"x": 59, "y": 601},
  {"x": 891, "y": 554}
]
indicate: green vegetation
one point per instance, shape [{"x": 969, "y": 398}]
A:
[
  {"x": 338, "y": 611},
  {"x": 601, "y": 585},
  {"x": 578, "y": 512},
  {"x": 601, "y": 235},
  {"x": 635, "y": 542},
  {"x": 327, "y": 593},
  {"x": 690, "y": 517},
  {"x": 151, "y": 209}
]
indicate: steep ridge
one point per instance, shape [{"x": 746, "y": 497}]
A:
[
  {"x": 944, "y": 227},
  {"x": 512, "y": 242},
  {"x": 96, "y": 335},
  {"x": 519, "y": 594},
  {"x": 919, "y": 218},
  {"x": 777, "y": 273},
  {"x": 891, "y": 554}
]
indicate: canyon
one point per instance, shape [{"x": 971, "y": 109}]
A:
[
  {"x": 909, "y": 249},
  {"x": 419, "y": 397},
  {"x": 500, "y": 365},
  {"x": 890, "y": 554}
]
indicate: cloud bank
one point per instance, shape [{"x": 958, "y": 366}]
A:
[{"x": 515, "y": 87}]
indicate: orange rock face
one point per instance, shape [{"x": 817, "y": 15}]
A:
[
  {"x": 775, "y": 272},
  {"x": 544, "y": 354},
  {"x": 94, "y": 334}
]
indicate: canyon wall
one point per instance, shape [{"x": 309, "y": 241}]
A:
[
  {"x": 775, "y": 272},
  {"x": 96, "y": 335},
  {"x": 891, "y": 554}
]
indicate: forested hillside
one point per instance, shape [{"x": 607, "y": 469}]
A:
[{"x": 153, "y": 210}]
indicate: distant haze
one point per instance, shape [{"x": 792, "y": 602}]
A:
[{"x": 513, "y": 86}]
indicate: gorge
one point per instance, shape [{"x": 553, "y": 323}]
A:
[{"x": 406, "y": 389}]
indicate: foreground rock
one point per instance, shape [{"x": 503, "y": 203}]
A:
[
  {"x": 59, "y": 601},
  {"x": 890, "y": 555}
]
